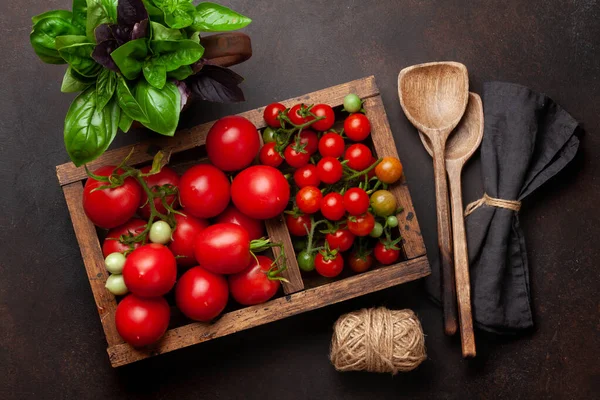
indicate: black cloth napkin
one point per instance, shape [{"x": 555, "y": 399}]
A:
[{"x": 527, "y": 139}]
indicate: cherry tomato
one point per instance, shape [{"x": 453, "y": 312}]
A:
[
  {"x": 360, "y": 263},
  {"x": 357, "y": 127},
  {"x": 371, "y": 173},
  {"x": 331, "y": 145},
  {"x": 310, "y": 140},
  {"x": 109, "y": 208},
  {"x": 201, "y": 295},
  {"x": 269, "y": 135},
  {"x": 307, "y": 175},
  {"x": 342, "y": 239},
  {"x": 150, "y": 270},
  {"x": 308, "y": 199},
  {"x": 389, "y": 170},
  {"x": 385, "y": 255},
  {"x": 383, "y": 203},
  {"x": 232, "y": 143},
  {"x": 271, "y": 113},
  {"x": 331, "y": 267},
  {"x": 332, "y": 206},
  {"x": 361, "y": 225},
  {"x": 352, "y": 103},
  {"x": 260, "y": 192},
  {"x": 306, "y": 261},
  {"x": 330, "y": 170},
  {"x": 184, "y": 236},
  {"x": 295, "y": 157},
  {"x": 323, "y": 110},
  {"x": 223, "y": 248},
  {"x": 356, "y": 201},
  {"x": 255, "y": 284},
  {"x": 133, "y": 227},
  {"x": 204, "y": 191},
  {"x": 298, "y": 226},
  {"x": 254, "y": 227},
  {"x": 358, "y": 156},
  {"x": 299, "y": 114},
  {"x": 166, "y": 176},
  {"x": 141, "y": 321},
  {"x": 270, "y": 156}
]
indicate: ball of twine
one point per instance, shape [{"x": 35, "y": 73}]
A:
[{"x": 378, "y": 340}]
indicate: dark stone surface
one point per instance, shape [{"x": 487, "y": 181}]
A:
[{"x": 51, "y": 344}]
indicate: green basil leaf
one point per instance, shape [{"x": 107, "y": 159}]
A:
[
  {"x": 99, "y": 12},
  {"x": 77, "y": 51},
  {"x": 195, "y": 37},
  {"x": 174, "y": 54},
  {"x": 211, "y": 17},
  {"x": 44, "y": 34},
  {"x": 80, "y": 14},
  {"x": 162, "y": 106},
  {"x": 74, "y": 82},
  {"x": 161, "y": 32},
  {"x": 62, "y": 14},
  {"x": 125, "y": 122},
  {"x": 128, "y": 103},
  {"x": 181, "y": 73},
  {"x": 105, "y": 87},
  {"x": 130, "y": 57},
  {"x": 155, "y": 73},
  {"x": 89, "y": 132},
  {"x": 181, "y": 17},
  {"x": 155, "y": 13}
]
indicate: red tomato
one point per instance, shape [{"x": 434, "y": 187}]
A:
[
  {"x": 360, "y": 263},
  {"x": 331, "y": 145},
  {"x": 232, "y": 143},
  {"x": 260, "y": 192},
  {"x": 307, "y": 175},
  {"x": 201, "y": 295},
  {"x": 255, "y": 284},
  {"x": 271, "y": 113},
  {"x": 330, "y": 170},
  {"x": 358, "y": 156},
  {"x": 298, "y": 226},
  {"x": 329, "y": 268},
  {"x": 204, "y": 191},
  {"x": 323, "y": 110},
  {"x": 254, "y": 227},
  {"x": 357, "y": 127},
  {"x": 361, "y": 225},
  {"x": 109, "y": 208},
  {"x": 310, "y": 140},
  {"x": 223, "y": 248},
  {"x": 332, "y": 206},
  {"x": 185, "y": 233},
  {"x": 166, "y": 176},
  {"x": 384, "y": 255},
  {"x": 308, "y": 199},
  {"x": 299, "y": 114},
  {"x": 150, "y": 270},
  {"x": 342, "y": 239},
  {"x": 133, "y": 227},
  {"x": 371, "y": 173},
  {"x": 142, "y": 321},
  {"x": 356, "y": 201},
  {"x": 270, "y": 156},
  {"x": 296, "y": 158}
]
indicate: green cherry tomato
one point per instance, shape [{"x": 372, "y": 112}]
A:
[
  {"x": 383, "y": 203},
  {"x": 299, "y": 244},
  {"x": 114, "y": 263},
  {"x": 392, "y": 221},
  {"x": 269, "y": 135},
  {"x": 377, "y": 230},
  {"x": 306, "y": 261},
  {"x": 352, "y": 103},
  {"x": 160, "y": 232},
  {"x": 116, "y": 285}
]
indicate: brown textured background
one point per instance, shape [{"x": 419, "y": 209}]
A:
[{"x": 51, "y": 343}]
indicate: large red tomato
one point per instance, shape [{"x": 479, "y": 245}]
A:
[
  {"x": 223, "y": 248},
  {"x": 184, "y": 237},
  {"x": 204, "y": 191},
  {"x": 141, "y": 321},
  {"x": 260, "y": 192},
  {"x": 255, "y": 284},
  {"x": 166, "y": 176},
  {"x": 201, "y": 295},
  {"x": 254, "y": 227},
  {"x": 109, "y": 208},
  {"x": 111, "y": 244},
  {"x": 232, "y": 143},
  {"x": 150, "y": 270}
]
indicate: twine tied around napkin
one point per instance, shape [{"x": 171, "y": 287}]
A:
[{"x": 514, "y": 205}]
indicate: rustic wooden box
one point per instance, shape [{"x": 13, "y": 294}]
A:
[{"x": 300, "y": 296}]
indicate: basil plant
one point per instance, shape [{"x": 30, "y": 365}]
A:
[{"x": 132, "y": 60}]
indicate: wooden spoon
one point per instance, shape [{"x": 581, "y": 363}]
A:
[
  {"x": 460, "y": 147},
  {"x": 434, "y": 97}
]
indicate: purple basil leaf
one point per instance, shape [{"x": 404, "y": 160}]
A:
[
  {"x": 103, "y": 33},
  {"x": 185, "y": 92},
  {"x": 140, "y": 30},
  {"x": 219, "y": 84},
  {"x": 101, "y": 54},
  {"x": 130, "y": 12},
  {"x": 122, "y": 33}
]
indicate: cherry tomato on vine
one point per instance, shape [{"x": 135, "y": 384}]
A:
[
  {"x": 356, "y": 201},
  {"x": 361, "y": 225},
  {"x": 204, "y": 191},
  {"x": 299, "y": 114},
  {"x": 352, "y": 103},
  {"x": 308, "y": 199},
  {"x": 150, "y": 270},
  {"x": 223, "y": 248},
  {"x": 309, "y": 140},
  {"x": 142, "y": 321},
  {"x": 131, "y": 228},
  {"x": 166, "y": 176},
  {"x": 254, "y": 227},
  {"x": 298, "y": 226},
  {"x": 271, "y": 113},
  {"x": 389, "y": 170},
  {"x": 268, "y": 155},
  {"x": 269, "y": 135},
  {"x": 332, "y": 206},
  {"x": 307, "y": 175},
  {"x": 232, "y": 143},
  {"x": 260, "y": 192},
  {"x": 306, "y": 261},
  {"x": 357, "y": 127},
  {"x": 330, "y": 170},
  {"x": 360, "y": 262},
  {"x": 331, "y": 145},
  {"x": 358, "y": 156},
  {"x": 295, "y": 156},
  {"x": 184, "y": 235},
  {"x": 386, "y": 255},
  {"x": 256, "y": 284},
  {"x": 392, "y": 221},
  {"x": 323, "y": 110},
  {"x": 377, "y": 230},
  {"x": 201, "y": 295},
  {"x": 383, "y": 203},
  {"x": 109, "y": 208},
  {"x": 329, "y": 266},
  {"x": 342, "y": 239}
]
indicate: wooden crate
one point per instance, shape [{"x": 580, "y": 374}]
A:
[{"x": 296, "y": 299}]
